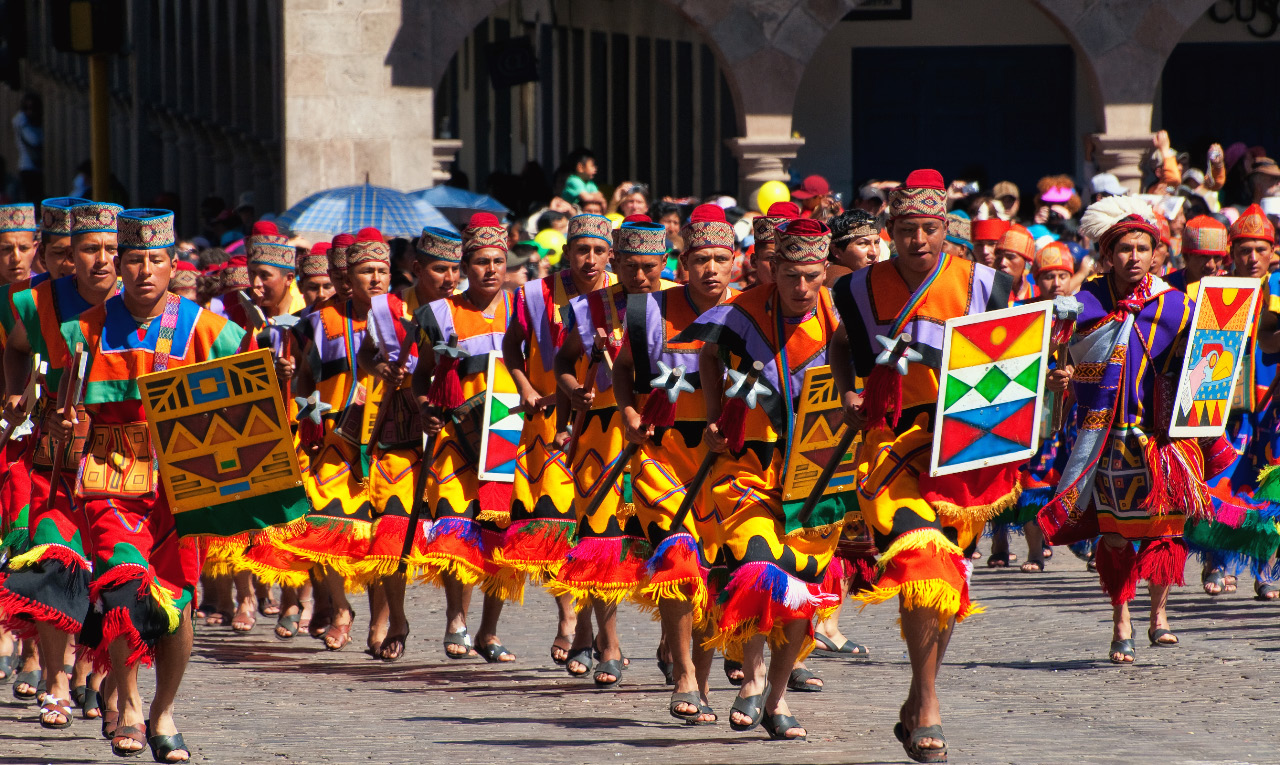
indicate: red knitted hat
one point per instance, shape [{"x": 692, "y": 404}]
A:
[
  {"x": 343, "y": 240},
  {"x": 922, "y": 196},
  {"x": 319, "y": 248},
  {"x": 483, "y": 219},
  {"x": 707, "y": 227},
  {"x": 637, "y": 218},
  {"x": 264, "y": 227},
  {"x": 788, "y": 210},
  {"x": 369, "y": 234}
]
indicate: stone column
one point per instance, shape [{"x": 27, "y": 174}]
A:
[
  {"x": 444, "y": 152},
  {"x": 1127, "y": 142},
  {"x": 761, "y": 159}
]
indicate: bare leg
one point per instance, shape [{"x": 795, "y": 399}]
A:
[
  {"x": 830, "y": 626},
  {"x": 392, "y": 646},
  {"x": 127, "y": 696},
  {"x": 1035, "y": 547},
  {"x": 607, "y": 639},
  {"x": 457, "y": 601},
  {"x": 379, "y": 614},
  {"x": 583, "y": 637},
  {"x": 488, "y": 633},
  {"x": 221, "y": 600},
  {"x": 677, "y": 635},
  {"x": 246, "y": 603},
  {"x": 1159, "y": 618},
  {"x": 53, "y": 651},
  {"x": 172, "y": 654},
  {"x": 781, "y": 662},
  {"x": 31, "y": 663},
  {"x": 289, "y": 606},
  {"x": 927, "y": 642},
  {"x": 565, "y": 630},
  {"x": 753, "y": 675},
  {"x": 342, "y": 613}
]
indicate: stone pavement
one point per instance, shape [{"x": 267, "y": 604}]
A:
[{"x": 1026, "y": 682}]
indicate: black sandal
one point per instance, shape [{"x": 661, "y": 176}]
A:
[
  {"x": 999, "y": 561},
  {"x": 578, "y": 656},
  {"x": 1124, "y": 648},
  {"x": 610, "y": 667},
  {"x": 692, "y": 698},
  {"x": 920, "y": 754},
  {"x": 385, "y": 651},
  {"x": 493, "y": 653},
  {"x": 730, "y": 667},
  {"x": 777, "y": 725},
  {"x": 557, "y": 661},
  {"x": 34, "y": 678},
  {"x": 457, "y": 638},
  {"x": 290, "y": 624},
  {"x": 751, "y": 707},
  {"x": 668, "y": 671},
  {"x": 828, "y": 647},
  {"x": 163, "y": 746},
  {"x": 1218, "y": 578},
  {"x": 90, "y": 703},
  {"x": 7, "y": 663},
  {"x": 1154, "y": 636},
  {"x": 799, "y": 681},
  {"x": 1262, "y": 589}
]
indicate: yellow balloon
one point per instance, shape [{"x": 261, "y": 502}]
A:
[
  {"x": 770, "y": 192},
  {"x": 553, "y": 241},
  {"x": 615, "y": 218}
]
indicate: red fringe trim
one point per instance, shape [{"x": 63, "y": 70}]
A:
[
  {"x": 35, "y": 613},
  {"x": 118, "y": 576},
  {"x": 548, "y": 544},
  {"x": 117, "y": 624},
  {"x": 1163, "y": 561},
  {"x": 833, "y": 579},
  {"x": 446, "y": 388},
  {"x": 883, "y": 395},
  {"x": 1118, "y": 571},
  {"x": 659, "y": 411},
  {"x": 863, "y": 573},
  {"x": 603, "y": 569}
]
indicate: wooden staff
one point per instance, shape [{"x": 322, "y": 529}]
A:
[
  {"x": 451, "y": 350},
  {"x": 695, "y": 486},
  {"x": 69, "y": 392},
  {"x": 27, "y": 403},
  {"x": 599, "y": 353}
]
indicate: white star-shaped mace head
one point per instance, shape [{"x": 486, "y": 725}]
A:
[
  {"x": 1066, "y": 308},
  {"x": 672, "y": 381},
  {"x": 897, "y": 352},
  {"x": 747, "y": 387},
  {"x": 312, "y": 408}
]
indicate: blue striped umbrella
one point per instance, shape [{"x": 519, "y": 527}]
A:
[
  {"x": 458, "y": 205},
  {"x": 347, "y": 209}
]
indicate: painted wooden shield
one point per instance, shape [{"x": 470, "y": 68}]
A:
[
  {"x": 991, "y": 388},
  {"x": 1216, "y": 349},
  {"x": 500, "y": 427},
  {"x": 815, "y": 434},
  {"x": 224, "y": 445}
]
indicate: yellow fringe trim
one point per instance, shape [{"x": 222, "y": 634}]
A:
[
  {"x": 933, "y": 594},
  {"x": 275, "y": 576},
  {"x": 28, "y": 558},
  {"x": 507, "y": 585},
  {"x": 815, "y": 532},
  {"x": 436, "y": 566},
  {"x": 273, "y": 534},
  {"x": 538, "y": 572},
  {"x": 493, "y": 516},
  {"x": 918, "y": 539},
  {"x": 978, "y": 512},
  {"x": 732, "y": 642},
  {"x": 585, "y": 595},
  {"x": 651, "y": 595},
  {"x": 166, "y": 602}
]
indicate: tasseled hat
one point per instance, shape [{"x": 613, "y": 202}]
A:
[
  {"x": 266, "y": 246},
  {"x": 145, "y": 229},
  {"x": 1205, "y": 235},
  {"x": 762, "y": 226},
  {"x": 988, "y": 230},
  {"x": 55, "y": 214},
  {"x": 485, "y": 230},
  {"x": 338, "y": 251},
  {"x": 19, "y": 217},
  {"x": 439, "y": 244},
  {"x": 94, "y": 218},
  {"x": 315, "y": 262},
  {"x": 368, "y": 248},
  {"x": 924, "y": 195},
  {"x": 1019, "y": 240},
  {"x": 1054, "y": 256},
  {"x": 638, "y": 235},
  {"x": 236, "y": 275},
  {"x": 803, "y": 240},
  {"x": 1110, "y": 218},
  {"x": 707, "y": 227},
  {"x": 1253, "y": 224},
  {"x": 959, "y": 229},
  {"x": 184, "y": 276},
  {"x": 591, "y": 225}
]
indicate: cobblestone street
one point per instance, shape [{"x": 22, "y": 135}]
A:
[{"x": 1026, "y": 682}]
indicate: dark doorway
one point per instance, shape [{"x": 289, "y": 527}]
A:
[
  {"x": 1221, "y": 92},
  {"x": 988, "y": 113}
]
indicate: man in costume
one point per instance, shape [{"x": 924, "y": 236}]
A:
[
  {"x": 920, "y": 524},
  {"x": 435, "y": 274},
  {"x": 1206, "y": 249},
  {"x": 313, "y": 275},
  {"x": 669, "y": 455},
  {"x": 48, "y": 585},
  {"x": 1017, "y": 249},
  {"x": 543, "y": 523},
  {"x": 986, "y": 239},
  {"x": 959, "y": 229},
  {"x": 469, "y": 516},
  {"x": 18, "y": 231},
  {"x": 774, "y": 568},
  {"x": 855, "y": 243},
  {"x": 1052, "y": 270},
  {"x": 606, "y": 564},
  {"x": 1126, "y": 479},
  {"x": 184, "y": 280},
  {"x": 338, "y": 265},
  {"x": 144, "y": 576},
  {"x": 763, "y": 227}
]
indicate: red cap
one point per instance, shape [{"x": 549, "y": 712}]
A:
[
  {"x": 264, "y": 227},
  {"x": 185, "y": 266},
  {"x": 806, "y": 227},
  {"x": 343, "y": 240},
  {"x": 925, "y": 179},
  {"x": 238, "y": 260},
  {"x": 811, "y": 186},
  {"x": 637, "y": 218},
  {"x": 788, "y": 210},
  {"x": 319, "y": 248},
  {"x": 708, "y": 214},
  {"x": 483, "y": 219},
  {"x": 369, "y": 234},
  {"x": 989, "y": 230}
]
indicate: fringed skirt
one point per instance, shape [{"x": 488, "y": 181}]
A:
[{"x": 543, "y": 524}]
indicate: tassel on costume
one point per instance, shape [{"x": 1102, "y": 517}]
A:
[
  {"x": 446, "y": 388},
  {"x": 1162, "y": 561},
  {"x": 882, "y": 397},
  {"x": 1176, "y": 467},
  {"x": 732, "y": 424},
  {"x": 659, "y": 411}
]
